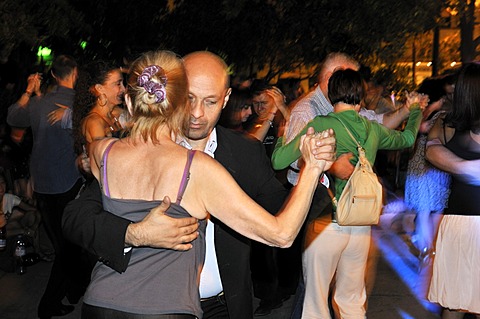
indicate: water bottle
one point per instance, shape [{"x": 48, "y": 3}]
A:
[
  {"x": 30, "y": 259},
  {"x": 3, "y": 238},
  {"x": 20, "y": 252}
]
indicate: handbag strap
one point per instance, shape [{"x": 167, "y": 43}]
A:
[
  {"x": 361, "y": 155},
  {"x": 361, "y": 150},
  {"x": 349, "y": 133}
]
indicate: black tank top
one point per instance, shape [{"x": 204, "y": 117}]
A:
[{"x": 463, "y": 198}]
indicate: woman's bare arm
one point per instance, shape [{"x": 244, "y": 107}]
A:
[
  {"x": 224, "y": 199},
  {"x": 441, "y": 157}
]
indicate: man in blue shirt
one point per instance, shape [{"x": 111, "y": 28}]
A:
[{"x": 55, "y": 176}]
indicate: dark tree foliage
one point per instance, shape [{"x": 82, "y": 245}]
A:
[
  {"x": 282, "y": 35},
  {"x": 469, "y": 43},
  {"x": 250, "y": 34},
  {"x": 33, "y": 23},
  {"x": 121, "y": 29}
]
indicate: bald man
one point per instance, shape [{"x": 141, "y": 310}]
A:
[{"x": 225, "y": 284}]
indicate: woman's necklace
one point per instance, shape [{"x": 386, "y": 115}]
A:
[{"x": 111, "y": 125}]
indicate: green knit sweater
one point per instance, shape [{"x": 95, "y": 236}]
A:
[{"x": 371, "y": 135}]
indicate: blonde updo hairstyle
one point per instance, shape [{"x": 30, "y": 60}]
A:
[{"x": 174, "y": 110}]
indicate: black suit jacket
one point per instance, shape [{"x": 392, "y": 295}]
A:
[{"x": 103, "y": 234}]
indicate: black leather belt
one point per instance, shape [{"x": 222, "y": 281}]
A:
[
  {"x": 294, "y": 170},
  {"x": 216, "y": 297},
  {"x": 175, "y": 316}
]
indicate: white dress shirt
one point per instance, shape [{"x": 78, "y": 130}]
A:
[{"x": 210, "y": 282}]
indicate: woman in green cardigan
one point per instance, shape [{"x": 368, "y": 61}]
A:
[{"x": 330, "y": 248}]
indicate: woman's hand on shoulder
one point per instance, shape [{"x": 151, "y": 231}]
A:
[{"x": 57, "y": 114}]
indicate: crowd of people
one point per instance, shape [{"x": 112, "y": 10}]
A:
[{"x": 251, "y": 171}]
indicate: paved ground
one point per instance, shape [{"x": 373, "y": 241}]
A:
[
  {"x": 395, "y": 280},
  {"x": 391, "y": 295}
]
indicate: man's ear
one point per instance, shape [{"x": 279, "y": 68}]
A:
[
  {"x": 128, "y": 102},
  {"x": 227, "y": 97},
  {"x": 72, "y": 77},
  {"x": 75, "y": 75}
]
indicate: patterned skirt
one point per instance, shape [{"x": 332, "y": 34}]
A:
[{"x": 426, "y": 187}]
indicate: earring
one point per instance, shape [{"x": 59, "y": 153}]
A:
[{"x": 102, "y": 100}]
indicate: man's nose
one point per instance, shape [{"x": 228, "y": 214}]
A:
[{"x": 197, "y": 110}]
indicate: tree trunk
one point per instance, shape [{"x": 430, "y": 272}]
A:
[
  {"x": 467, "y": 24},
  {"x": 414, "y": 61},
  {"x": 435, "y": 51}
]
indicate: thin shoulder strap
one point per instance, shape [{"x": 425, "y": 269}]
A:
[
  {"x": 103, "y": 168},
  {"x": 186, "y": 176}
]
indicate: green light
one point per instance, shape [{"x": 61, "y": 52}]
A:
[
  {"x": 44, "y": 52},
  {"x": 83, "y": 44}
]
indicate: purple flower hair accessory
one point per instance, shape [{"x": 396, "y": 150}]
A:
[{"x": 152, "y": 87}]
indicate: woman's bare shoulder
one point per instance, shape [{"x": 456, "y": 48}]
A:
[
  {"x": 92, "y": 121},
  {"x": 98, "y": 146}
]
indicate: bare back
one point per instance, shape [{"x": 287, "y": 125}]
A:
[{"x": 149, "y": 172}]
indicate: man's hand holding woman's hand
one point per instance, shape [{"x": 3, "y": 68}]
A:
[
  {"x": 415, "y": 99},
  {"x": 34, "y": 82},
  {"x": 319, "y": 149}
]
